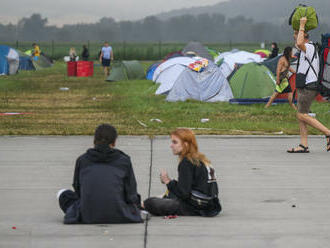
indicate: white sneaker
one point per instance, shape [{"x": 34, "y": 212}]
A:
[
  {"x": 145, "y": 215},
  {"x": 59, "y": 193}
]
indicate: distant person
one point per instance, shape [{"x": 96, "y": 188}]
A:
[
  {"x": 196, "y": 190},
  {"x": 106, "y": 57},
  {"x": 308, "y": 67},
  {"x": 35, "y": 51},
  {"x": 85, "y": 53},
  {"x": 105, "y": 189},
  {"x": 282, "y": 81},
  {"x": 72, "y": 54},
  {"x": 275, "y": 50}
]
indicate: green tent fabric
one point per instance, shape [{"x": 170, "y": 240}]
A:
[
  {"x": 126, "y": 70},
  {"x": 252, "y": 80}
]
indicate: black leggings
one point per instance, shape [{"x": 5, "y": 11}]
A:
[{"x": 165, "y": 206}]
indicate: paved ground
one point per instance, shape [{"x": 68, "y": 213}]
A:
[{"x": 260, "y": 185}]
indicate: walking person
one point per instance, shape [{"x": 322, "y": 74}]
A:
[
  {"x": 282, "y": 81},
  {"x": 105, "y": 189},
  {"x": 196, "y": 190},
  {"x": 307, "y": 76},
  {"x": 106, "y": 57}
]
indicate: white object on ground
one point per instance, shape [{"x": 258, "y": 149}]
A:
[
  {"x": 141, "y": 123},
  {"x": 64, "y": 88},
  {"x": 157, "y": 120},
  {"x": 203, "y": 120}
]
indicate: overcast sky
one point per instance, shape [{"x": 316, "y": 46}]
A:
[{"x": 60, "y": 12}]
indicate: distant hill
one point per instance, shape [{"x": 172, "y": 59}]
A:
[{"x": 277, "y": 11}]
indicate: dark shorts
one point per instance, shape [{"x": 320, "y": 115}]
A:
[
  {"x": 105, "y": 62},
  {"x": 305, "y": 99}
]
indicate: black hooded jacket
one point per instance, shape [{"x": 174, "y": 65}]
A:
[{"x": 105, "y": 184}]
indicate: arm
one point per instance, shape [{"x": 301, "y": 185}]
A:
[
  {"x": 111, "y": 55},
  {"x": 278, "y": 70},
  {"x": 301, "y": 34},
  {"x": 291, "y": 70},
  {"x": 182, "y": 187},
  {"x": 76, "y": 182},
  {"x": 130, "y": 187}
]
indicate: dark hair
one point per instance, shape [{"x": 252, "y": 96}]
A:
[
  {"x": 105, "y": 134},
  {"x": 275, "y": 44},
  {"x": 286, "y": 53}
]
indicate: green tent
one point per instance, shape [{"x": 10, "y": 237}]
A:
[
  {"x": 252, "y": 80},
  {"x": 126, "y": 70}
]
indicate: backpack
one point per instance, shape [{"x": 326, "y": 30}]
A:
[
  {"x": 324, "y": 74},
  {"x": 304, "y": 11}
]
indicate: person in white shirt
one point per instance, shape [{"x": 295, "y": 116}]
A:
[
  {"x": 308, "y": 65},
  {"x": 106, "y": 57}
]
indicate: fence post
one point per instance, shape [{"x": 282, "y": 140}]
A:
[
  {"x": 52, "y": 49},
  {"x": 88, "y": 45},
  {"x": 159, "y": 49},
  {"x": 124, "y": 50}
]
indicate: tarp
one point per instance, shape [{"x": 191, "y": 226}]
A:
[
  {"x": 9, "y": 60},
  {"x": 240, "y": 57},
  {"x": 126, "y": 70},
  {"x": 198, "y": 49},
  {"x": 207, "y": 86},
  {"x": 252, "y": 81},
  {"x": 171, "y": 62}
]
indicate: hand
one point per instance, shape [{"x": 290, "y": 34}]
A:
[
  {"x": 303, "y": 21},
  {"x": 278, "y": 82},
  {"x": 164, "y": 177}
]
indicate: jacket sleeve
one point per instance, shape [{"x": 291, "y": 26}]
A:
[
  {"x": 130, "y": 187},
  {"x": 182, "y": 187},
  {"x": 76, "y": 182}
]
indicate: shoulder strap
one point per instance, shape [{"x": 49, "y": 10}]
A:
[{"x": 310, "y": 62}]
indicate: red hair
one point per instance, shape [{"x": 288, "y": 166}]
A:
[{"x": 190, "y": 147}]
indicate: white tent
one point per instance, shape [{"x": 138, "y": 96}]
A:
[
  {"x": 241, "y": 57},
  {"x": 171, "y": 62}
]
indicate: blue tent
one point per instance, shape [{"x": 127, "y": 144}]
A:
[
  {"x": 25, "y": 62},
  {"x": 151, "y": 70},
  {"x": 9, "y": 60}
]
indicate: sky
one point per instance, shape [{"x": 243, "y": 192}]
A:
[{"x": 59, "y": 12}]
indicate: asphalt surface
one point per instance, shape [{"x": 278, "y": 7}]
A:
[{"x": 270, "y": 198}]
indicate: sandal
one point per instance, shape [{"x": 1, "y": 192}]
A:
[
  {"x": 305, "y": 149},
  {"x": 328, "y": 142}
]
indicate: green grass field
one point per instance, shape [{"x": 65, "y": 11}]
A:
[{"x": 91, "y": 101}]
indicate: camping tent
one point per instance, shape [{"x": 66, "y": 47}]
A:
[
  {"x": 271, "y": 64},
  {"x": 169, "y": 63},
  {"x": 151, "y": 70},
  {"x": 235, "y": 58},
  {"x": 9, "y": 60},
  {"x": 252, "y": 81},
  {"x": 43, "y": 60},
  {"x": 25, "y": 62},
  {"x": 198, "y": 49},
  {"x": 126, "y": 70},
  {"x": 209, "y": 85}
]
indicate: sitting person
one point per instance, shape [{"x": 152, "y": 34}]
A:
[
  {"x": 195, "y": 193},
  {"x": 72, "y": 54},
  {"x": 85, "y": 53},
  {"x": 104, "y": 185}
]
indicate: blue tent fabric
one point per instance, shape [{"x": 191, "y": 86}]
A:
[
  {"x": 4, "y": 66},
  {"x": 151, "y": 70},
  {"x": 9, "y": 60},
  {"x": 248, "y": 101},
  {"x": 25, "y": 63}
]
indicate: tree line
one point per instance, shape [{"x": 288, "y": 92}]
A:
[{"x": 204, "y": 28}]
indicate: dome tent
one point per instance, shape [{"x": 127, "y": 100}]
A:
[
  {"x": 126, "y": 70},
  {"x": 252, "y": 80},
  {"x": 9, "y": 60}
]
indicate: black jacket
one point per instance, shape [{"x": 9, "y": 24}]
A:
[
  {"x": 105, "y": 183},
  {"x": 197, "y": 178}
]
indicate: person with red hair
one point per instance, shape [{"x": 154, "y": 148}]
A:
[{"x": 195, "y": 193}]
